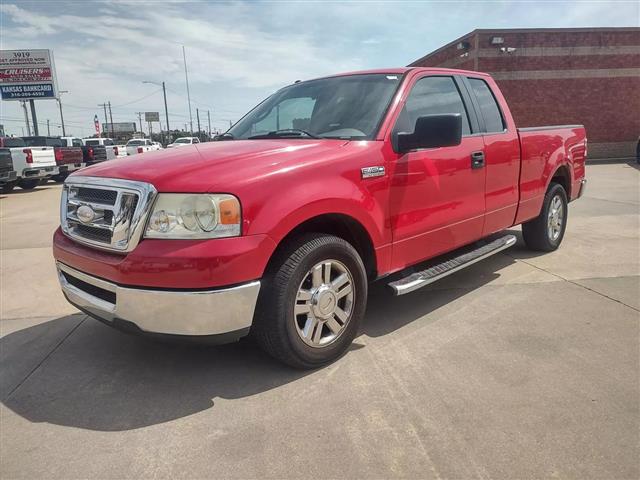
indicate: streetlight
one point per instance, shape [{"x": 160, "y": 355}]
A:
[
  {"x": 60, "y": 92},
  {"x": 164, "y": 94}
]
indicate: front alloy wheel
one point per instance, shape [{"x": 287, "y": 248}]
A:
[
  {"x": 312, "y": 300},
  {"x": 324, "y": 303}
]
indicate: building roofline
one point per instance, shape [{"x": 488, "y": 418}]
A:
[{"x": 523, "y": 30}]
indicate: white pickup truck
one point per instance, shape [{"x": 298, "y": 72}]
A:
[
  {"x": 32, "y": 164},
  {"x": 141, "y": 145},
  {"x": 112, "y": 150},
  {"x": 183, "y": 142}
]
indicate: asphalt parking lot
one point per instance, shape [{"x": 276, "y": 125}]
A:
[{"x": 522, "y": 366}]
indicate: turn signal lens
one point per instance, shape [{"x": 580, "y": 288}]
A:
[{"x": 230, "y": 211}]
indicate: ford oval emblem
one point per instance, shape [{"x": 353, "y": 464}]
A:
[{"x": 85, "y": 213}]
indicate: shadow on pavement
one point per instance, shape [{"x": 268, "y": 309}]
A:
[{"x": 101, "y": 379}]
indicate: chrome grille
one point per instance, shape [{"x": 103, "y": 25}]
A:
[{"x": 116, "y": 215}]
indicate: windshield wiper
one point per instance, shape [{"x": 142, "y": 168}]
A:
[
  {"x": 289, "y": 132},
  {"x": 225, "y": 136}
]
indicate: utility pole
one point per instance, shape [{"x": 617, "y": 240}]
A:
[
  {"x": 60, "y": 92},
  {"x": 186, "y": 77},
  {"x": 166, "y": 110},
  {"x": 198, "y": 117},
  {"x": 34, "y": 118},
  {"x": 111, "y": 119},
  {"x": 209, "y": 121},
  {"x": 48, "y": 129},
  {"x": 104, "y": 105},
  {"x": 26, "y": 118},
  {"x": 230, "y": 124},
  {"x": 140, "y": 121}
]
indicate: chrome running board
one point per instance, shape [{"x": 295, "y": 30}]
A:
[{"x": 420, "y": 279}]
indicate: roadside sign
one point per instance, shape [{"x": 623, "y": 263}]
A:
[
  {"x": 27, "y": 75},
  {"x": 151, "y": 116},
  {"x": 96, "y": 123},
  {"x": 120, "y": 127}
]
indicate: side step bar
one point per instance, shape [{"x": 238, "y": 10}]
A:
[{"x": 425, "y": 277}]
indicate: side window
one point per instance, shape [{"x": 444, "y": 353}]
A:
[
  {"x": 430, "y": 96},
  {"x": 493, "y": 120},
  {"x": 76, "y": 142},
  {"x": 108, "y": 142}
]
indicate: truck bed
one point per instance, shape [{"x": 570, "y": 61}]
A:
[{"x": 543, "y": 150}]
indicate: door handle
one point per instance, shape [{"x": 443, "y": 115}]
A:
[{"x": 477, "y": 160}]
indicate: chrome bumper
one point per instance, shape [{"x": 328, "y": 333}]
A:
[
  {"x": 9, "y": 176},
  {"x": 191, "y": 313},
  {"x": 41, "y": 172}
]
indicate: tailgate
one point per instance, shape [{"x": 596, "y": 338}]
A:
[
  {"x": 68, "y": 155},
  {"x": 43, "y": 156}
]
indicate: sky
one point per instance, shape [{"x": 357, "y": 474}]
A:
[{"x": 239, "y": 52}]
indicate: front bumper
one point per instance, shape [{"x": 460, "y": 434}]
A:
[
  {"x": 195, "y": 313},
  {"x": 9, "y": 176}
]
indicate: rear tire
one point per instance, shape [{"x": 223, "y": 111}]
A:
[
  {"x": 545, "y": 232},
  {"x": 7, "y": 187},
  {"x": 312, "y": 301},
  {"x": 28, "y": 184}
]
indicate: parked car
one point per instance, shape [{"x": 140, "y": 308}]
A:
[
  {"x": 68, "y": 158},
  {"x": 33, "y": 165},
  {"x": 8, "y": 175},
  {"x": 183, "y": 142},
  {"x": 86, "y": 155},
  {"x": 141, "y": 145},
  {"x": 327, "y": 185},
  {"x": 111, "y": 150}
]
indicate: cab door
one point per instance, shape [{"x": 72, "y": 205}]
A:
[{"x": 437, "y": 196}]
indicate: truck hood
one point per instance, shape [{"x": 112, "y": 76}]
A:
[{"x": 218, "y": 166}]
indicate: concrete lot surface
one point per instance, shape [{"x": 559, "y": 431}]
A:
[{"x": 523, "y": 366}]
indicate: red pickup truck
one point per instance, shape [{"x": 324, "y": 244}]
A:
[{"x": 276, "y": 230}]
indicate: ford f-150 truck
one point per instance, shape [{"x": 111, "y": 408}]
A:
[
  {"x": 33, "y": 165},
  {"x": 401, "y": 175}
]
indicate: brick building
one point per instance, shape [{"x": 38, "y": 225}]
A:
[{"x": 560, "y": 76}]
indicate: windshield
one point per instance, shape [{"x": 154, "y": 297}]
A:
[
  {"x": 183, "y": 140},
  {"x": 338, "y": 107},
  {"x": 136, "y": 143}
]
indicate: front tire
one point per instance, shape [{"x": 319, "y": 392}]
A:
[
  {"x": 545, "y": 232},
  {"x": 312, "y": 301}
]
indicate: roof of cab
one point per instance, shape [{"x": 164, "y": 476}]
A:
[{"x": 403, "y": 70}]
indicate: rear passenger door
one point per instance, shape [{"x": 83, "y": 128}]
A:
[
  {"x": 502, "y": 156},
  {"x": 437, "y": 194}
]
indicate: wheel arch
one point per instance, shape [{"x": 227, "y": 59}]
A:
[
  {"x": 562, "y": 175},
  {"x": 341, "y": 225}
]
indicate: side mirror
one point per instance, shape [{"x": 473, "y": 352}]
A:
[{"x": 431, "y": 131}]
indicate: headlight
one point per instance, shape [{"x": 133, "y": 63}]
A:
[{"x": 180, "y": 215}]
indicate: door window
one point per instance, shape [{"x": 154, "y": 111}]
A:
[
  {"x": 431, "y": 96},
  {"x": 493, "y": 120}
]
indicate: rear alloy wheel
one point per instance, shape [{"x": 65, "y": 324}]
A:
[
  {"x": 545, "y": 232},
  {"x": 311, "y": 302}
]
